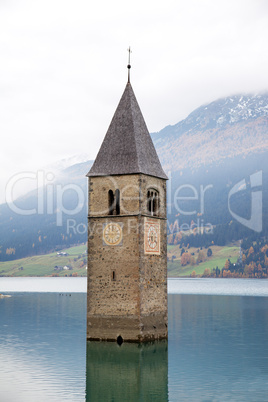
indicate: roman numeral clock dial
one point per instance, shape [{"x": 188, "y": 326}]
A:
[{"x": 151, "y": 236}]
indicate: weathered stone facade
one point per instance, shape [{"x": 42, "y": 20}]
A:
[{"x": 127, "y": 288}]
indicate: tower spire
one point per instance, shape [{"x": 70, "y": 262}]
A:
[
  {"x": 127, "y": 147},
  {"x": 129, "y": 66}
]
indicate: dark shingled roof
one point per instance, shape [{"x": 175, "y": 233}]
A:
[{"x": 127, "y": 147}]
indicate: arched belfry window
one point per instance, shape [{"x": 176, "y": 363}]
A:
[
  {"x": 110, "y": 202},
  {"x": 117, "y": 202},
  {"x": 114, "y": 202},
  {"x": 152, "y": 202}
]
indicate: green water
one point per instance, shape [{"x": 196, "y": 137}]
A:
[{"x": 127, "y": 373}]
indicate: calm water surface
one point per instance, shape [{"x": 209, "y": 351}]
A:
[{"x": 217, "y": 348}]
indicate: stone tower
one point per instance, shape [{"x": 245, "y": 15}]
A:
[{"x": 127, "y": 247}]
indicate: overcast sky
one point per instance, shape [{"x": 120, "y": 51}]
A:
[{"x": 63, "y": 68}]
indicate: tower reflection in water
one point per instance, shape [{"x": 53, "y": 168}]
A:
[{"x": 130, "y": 372}]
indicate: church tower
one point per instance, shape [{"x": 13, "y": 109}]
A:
[{"x": 127, "y": 245}]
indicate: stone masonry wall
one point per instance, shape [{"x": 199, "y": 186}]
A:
[
  {"x": 147, "y": 182},
  {"x": 108, "y": 296},
  {"x": 153, "y": 268},
  {"x": 137, "y": 290},
  {"x": 129, "y": 194}
]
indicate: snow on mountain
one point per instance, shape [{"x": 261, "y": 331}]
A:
[
  {"x": 242, "y": 107},
  {"x": 228, "y": 110},
  {"x": 222, "y": 112},
  {"x": 228, "y": 127}
]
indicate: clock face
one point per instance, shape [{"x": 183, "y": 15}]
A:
[
  {"x": 112, "y": 234},
  {"x": 151, "y": 236}
]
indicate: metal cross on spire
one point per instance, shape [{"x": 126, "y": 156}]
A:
[{"x": 129, "y": 66}]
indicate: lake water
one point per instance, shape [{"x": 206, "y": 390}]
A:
[{"x": 217, "y": 348}]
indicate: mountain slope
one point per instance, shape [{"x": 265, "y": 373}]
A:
[{"x": 225, "y": 128}]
